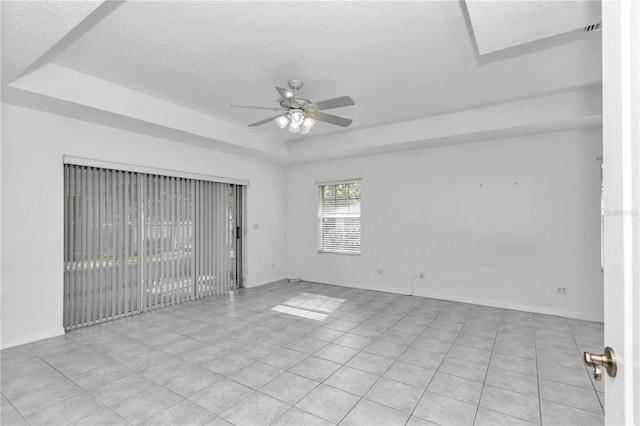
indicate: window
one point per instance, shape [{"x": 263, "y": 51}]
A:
[{"x": 339, "y": 217}]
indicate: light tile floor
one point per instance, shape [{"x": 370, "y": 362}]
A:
[{"x": 376, "y": 359}]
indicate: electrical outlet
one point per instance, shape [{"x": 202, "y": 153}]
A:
[
  {"x": 380, "y": 271},
  {"x": 421, "y": 275},
  {"x": 562, "y": 291}
]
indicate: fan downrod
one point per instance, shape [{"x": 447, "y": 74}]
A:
[{"x": 295, "y": 84}]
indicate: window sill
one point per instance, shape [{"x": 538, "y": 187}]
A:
[{"x": 345, "y": 253}]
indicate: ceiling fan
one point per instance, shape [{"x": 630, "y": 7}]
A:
[{"x": 298, "y": 114}]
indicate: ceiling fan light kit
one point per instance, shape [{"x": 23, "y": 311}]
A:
[
  {"x": 297, "y": 121},
  {"x": 300, "y": 115}
]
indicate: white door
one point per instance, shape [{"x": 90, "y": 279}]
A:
[{"x": 621, "y": 138}]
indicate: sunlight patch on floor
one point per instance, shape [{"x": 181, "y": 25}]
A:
[
  {"x": 299, "y": 312},
  {"x": 315, "y": 302}
]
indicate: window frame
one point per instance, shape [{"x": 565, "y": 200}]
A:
[{"x": 320, "y": 216}]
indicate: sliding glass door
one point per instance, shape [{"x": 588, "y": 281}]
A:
[{"x": 137, "y": 241}]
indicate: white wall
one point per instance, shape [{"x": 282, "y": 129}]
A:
[
  {"x": 501, "y": 223},
  {"x": 501, "y": 244},
  {"x": 33, "y": 145}
]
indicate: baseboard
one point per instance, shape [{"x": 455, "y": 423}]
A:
[
  {"x": 360, "y": 286},
  {"x": 53, "y": 332},
  {"x": 259, "y": 283},
  {"x": 483, "y": 302},
  {"x": 515, "y": 307},
  {"x": 392, "y": 290}
]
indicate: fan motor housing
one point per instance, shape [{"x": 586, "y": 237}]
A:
[{"x": 299, "y": 101}]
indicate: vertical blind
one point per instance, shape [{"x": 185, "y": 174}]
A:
[
  {"x": 137, "y": 241},
  {"x": 339, "y": 217}
]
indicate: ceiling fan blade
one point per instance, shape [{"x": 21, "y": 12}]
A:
[
  {"x": 332, "y": 119},
  {"x": 329, "y": 103},
  {"x": 255, "y": 107},
  {"x": 265, "y": 121},
  {"x": 288, "y": 96}
]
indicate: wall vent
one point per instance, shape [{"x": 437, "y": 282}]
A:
[{"x": 593, "y": 27}]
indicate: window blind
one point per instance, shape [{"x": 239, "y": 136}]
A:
[
  {"x": 167, "y": 240},
  {"x": 101, "y": 250},
  {"x": 137, "y": 241},
  {"x": 339, "y": 217}
]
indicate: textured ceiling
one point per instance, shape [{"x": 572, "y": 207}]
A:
[
  {"x": 174, "y": 68},
  {"x": 500, "y": 25},
  {"x": 221, "y": 53},
  {"x": 397, "y": 60},
  {"x": 22, "y": 40}
]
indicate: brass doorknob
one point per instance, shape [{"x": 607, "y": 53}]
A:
[{"x": 606, "y": 360}]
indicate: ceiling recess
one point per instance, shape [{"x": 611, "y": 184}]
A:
[{"x": 499, "y": 25}]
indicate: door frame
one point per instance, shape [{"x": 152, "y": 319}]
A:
[
  {"x": 240, "y": 199},
  {"x": 621, "y": 152}
]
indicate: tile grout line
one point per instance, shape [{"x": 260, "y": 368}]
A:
[
  {"x": 568, "y": 384},
  {"x": 436, "y": 370},
  {"x": 380, "y": 377},
  {"x": 16, "y": 409},
  {"x": 593, "y": 386},
  {"x": 69, "y": 379},
  {"x": 138, "y": 393},
  {"x": 363, "y": 350},
  {"x": 495, "y": 338},
  {"x": 320, "y": 383},
  {"x": 369, "y": 304},
  {"x": 195, "y": 365},
  {"x": 331, "y": 375},
  {"x": 535, "y": 349}
]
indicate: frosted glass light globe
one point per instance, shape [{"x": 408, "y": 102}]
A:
[
  {"x": 308, "y": 123},
  {"x": 297, "y": 118},
  {"x": 282, "y": 121}
]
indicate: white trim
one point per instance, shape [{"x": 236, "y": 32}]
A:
[
  {"x": 89, "y": 162},
  {"x": 263, "y": 282},
  {"x": 626, "y": 162},
  {"x": 30, "y": 338},
  {"x": 515, "y": 307},
  {"x": 348, "y": 253},
  {"x": 337, "y": 182},
  {"x": 448, "y": 298},
  {"x": 469, "y": 300},
  {"x": 392, "y": 290}
]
